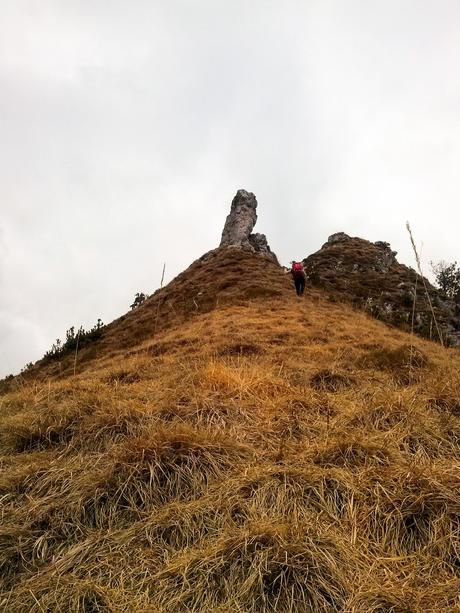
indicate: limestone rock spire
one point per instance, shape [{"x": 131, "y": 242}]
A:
[
  {"x": 241, "y": 220},
  {"x": 239, "y": 225}
]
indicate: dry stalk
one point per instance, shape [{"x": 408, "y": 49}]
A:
[
  {"x": 414, "y": 304},
  {"x": 419, "y": 267},
  {"x": 159, "y": 302},
  {"x": 76, "y": 353}
]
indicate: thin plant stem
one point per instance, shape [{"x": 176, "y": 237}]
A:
[
  {"x": 76, "y": 353},
  {"x": 413, "y": 324},
  {"x": 159, "y": 301},
  {"x": 419, "y": 267}
]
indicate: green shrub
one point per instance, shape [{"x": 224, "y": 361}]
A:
[
  {"x": 448, "y": 278},
  {"x": 74, "y": 340},
  {"x": 139, "y": 298}
]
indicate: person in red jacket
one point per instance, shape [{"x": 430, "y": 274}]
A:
[{"x": 299, "y": 276}]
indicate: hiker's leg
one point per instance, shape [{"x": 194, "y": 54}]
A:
[
  {"x": 302, "y": 286},
  {"x": 297, "y": 285}
]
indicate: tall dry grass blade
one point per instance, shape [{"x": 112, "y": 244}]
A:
[
  {"x": 76, "y": 353},
  {"x": 157, "y": 316},
  {"x": 414, "y": 305},
  {"x": 419, "y": 267}
]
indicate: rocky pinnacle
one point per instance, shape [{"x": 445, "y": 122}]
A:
[
  {"x": 241, "y": 220},
  {"x": 240, "y": 223}
]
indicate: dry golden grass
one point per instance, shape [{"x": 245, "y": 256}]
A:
[{"x": 266, "y": 455}]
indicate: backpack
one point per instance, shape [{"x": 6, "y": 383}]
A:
[{"x": 297, "y": 267}]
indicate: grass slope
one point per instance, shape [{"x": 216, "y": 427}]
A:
[{"x": 266, "y": 454}]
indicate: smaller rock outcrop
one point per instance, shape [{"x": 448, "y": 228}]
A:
[
  {"x": 369, "y": 275},
  {"x": 240, "y": 223},
  {"x": 338, "y": 237},
  {"x": 259, "y": 243},
  {"x": 382, "y": 259}
]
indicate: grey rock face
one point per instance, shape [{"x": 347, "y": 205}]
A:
[
  {"x": 241, "y": 220},
  {"x": 259, "y": 243},
  {"x": 338, "y": 237},
  {"x": 387, "y": 258},
  {"x": 240, "y": 223}
]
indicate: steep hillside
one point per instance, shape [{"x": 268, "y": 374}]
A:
[
  {"x": 229, "y": 446},
  {"x": 369, "y": 275},
  {"x": 225, "y": 276}
]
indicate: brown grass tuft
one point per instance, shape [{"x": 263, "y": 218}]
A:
[
  {"x": 406, "y": 363},
  {"x": 265, "y": 567},
  {"x": 354, "y": 453},
  {"x": 330, "y": 381}
]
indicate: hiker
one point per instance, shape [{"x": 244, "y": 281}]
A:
[{"x": 298, "y": 273}]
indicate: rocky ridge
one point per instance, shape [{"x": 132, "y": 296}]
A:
[{"x": 369, "y": 276}]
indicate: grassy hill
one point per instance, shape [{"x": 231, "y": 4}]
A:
[{"x": 228, "y": 446}]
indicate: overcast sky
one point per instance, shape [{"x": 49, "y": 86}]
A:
[{"x": 126, "y": 128}]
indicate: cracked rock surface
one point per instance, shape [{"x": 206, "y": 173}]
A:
[
  {"x": 239, "y": 225},
  {"x": 241, "y": 219}
]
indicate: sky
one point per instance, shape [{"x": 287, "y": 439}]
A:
[{"x": 126, "y": 128}]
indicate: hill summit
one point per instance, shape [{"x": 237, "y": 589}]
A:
[{"x": 228, "y": 445}]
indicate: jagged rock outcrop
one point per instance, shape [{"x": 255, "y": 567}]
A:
[
  {"x": 338, "y": 237},
  {"x": 369, "y": 275},
  {"x": 386, "y": 258},
  {"x": 382, "y": 259},
  {"x": 259, "y": 243},
  {"x": 240, "y": 223}
]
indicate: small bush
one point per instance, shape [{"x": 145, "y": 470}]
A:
[
  {"x": 448, "y": 278},
  {"x": 139, "y": 298},
  {"x": 75, "y": 340}
]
